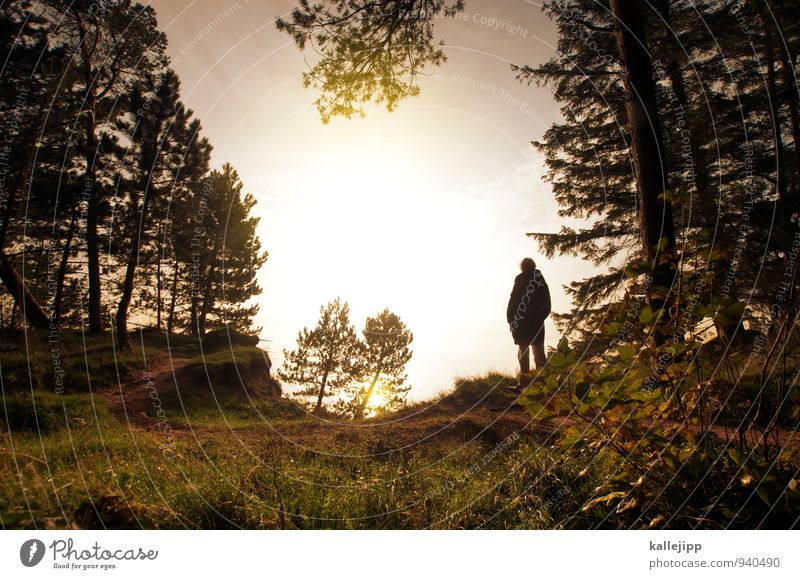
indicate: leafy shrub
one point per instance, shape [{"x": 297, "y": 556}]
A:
[{"x": 689, "y": 438}]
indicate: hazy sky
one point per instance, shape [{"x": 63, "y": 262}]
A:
[{"x": 423, "y": 210}]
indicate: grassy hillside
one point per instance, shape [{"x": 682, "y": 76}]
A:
[
  {"x": 210, "y": 445},
  {"x": 190, "y": 439},
  {"x": 288, "y": 471}
]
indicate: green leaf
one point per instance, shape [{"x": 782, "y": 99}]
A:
[
  {"x": 767, "y": 495},
  {"x": 730, "y": 314},
  {"x": 573, "y": 440},
  {"x": 560, "y": 360},
  {"x": 638, "y": 268},
  {"x": 535, "y": 391},
  {"x": 536, "y": 409},
  {"x": 607, "y": 374},
  {"x": 671, "y": 461},
  {"x": 615, "y": 401},
  {"x": 646, "y": 315},
  {"x": 736, "y": 456}
]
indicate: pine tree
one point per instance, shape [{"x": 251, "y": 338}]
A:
[
  {"x": 114, "y": 42},
  {"x": 28, "y": 85},
  {"x": 226, "y": 254},
  {"x": 385, "y": 351},
  {"x": 587, "y": 156},
  {"x": 327, "y": 358},
  {"x": 167, "y": 153},
  {"x": 120, "y": 162}
]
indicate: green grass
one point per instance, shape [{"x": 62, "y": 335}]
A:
[
  {"x": 46, "y": 412},
  {"x": 87, "y": 361},
  {"x": 91, "y": 475},
  {"x": 222, "y": 359},
  {"x": 226, "y": 411}
]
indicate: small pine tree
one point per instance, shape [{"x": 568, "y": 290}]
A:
[
  {"x": 385, "y": 352},
  {"x": 327, "y": 358}
]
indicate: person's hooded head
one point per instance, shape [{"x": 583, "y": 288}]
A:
[{"x": 527, "y": 265}]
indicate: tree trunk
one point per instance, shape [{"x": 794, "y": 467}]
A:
[
  {"x": 62, "y": 271},
  {"x": 37, "y": 275},
  {"x": 15, "y": 284},
  {"x": 195, "y": 304},
  {"x": 193, "y": 314},
  {"x": 158, "y": 279},
  {"x": 794, "y": 120},
  {"x": 363, "y": 404},
  {"x": 780, "y": 169},
  {"x": 207, "y": 302},
  {"x": 91, "y": 152},
  {"x": 33, "y": 311},
  {"x": 647, "y": 144},
  {"x": 649, "y": 158},
  {"x": 12, "y": 197},
  {"x": 208, "y": 297},
  {"x": 791, "y": 101},
  {"x": 321, "y": 392},
  {"x": 123, "y": 338},
  {"x": 93, "y": 258},
  {"x": 173, "y": 298}
]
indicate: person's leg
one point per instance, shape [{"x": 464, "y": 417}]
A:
[
  {"x": 538, "y": 353},
  {"x": 524, "y": 363}
]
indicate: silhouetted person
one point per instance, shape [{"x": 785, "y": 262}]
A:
[{"x": 528, "y": 308}]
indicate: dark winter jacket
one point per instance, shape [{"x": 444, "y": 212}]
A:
[{"x": 528, "y": 307}]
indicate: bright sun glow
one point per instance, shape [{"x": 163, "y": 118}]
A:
[
  {"x": 380, "y": 223},
  {"x": 376, "y": 400}
]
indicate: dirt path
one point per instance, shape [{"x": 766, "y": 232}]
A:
[
  {"x": 138, "y": 404},
  {"x": 137, "y": 401}
]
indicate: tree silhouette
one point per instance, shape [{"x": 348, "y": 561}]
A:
[
  {"x": 657, "y": 229},
  {"x": 385, "y": 353},
  {"x": 728, "y": 164},
  {"x": 121, "y": 164},
  {"x": 114, "y": 43},
  {"x": 327, "y": 358},
  {"x": 166, "y": 154},
  {"x": 228, "y": 251},
  {"x": 33, "y": 135}
]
